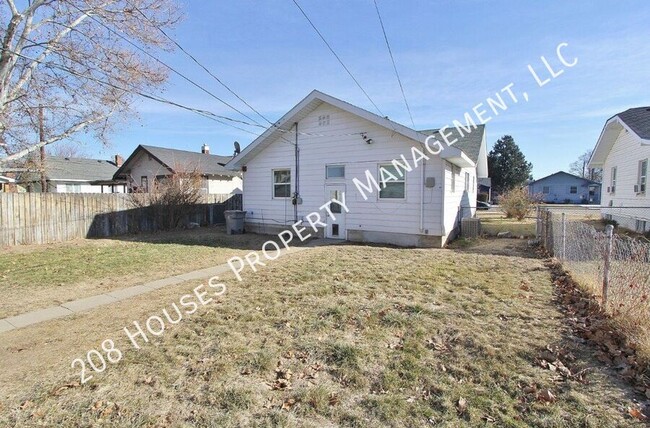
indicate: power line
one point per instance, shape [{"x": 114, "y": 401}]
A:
[
  {"x": 169, "y": 67},
  {"x": 193, "y": 58},
  {"x": 390, "y": 52},
  {"x": 205, "y": 113},
  {"x": 337, "y": 57}
]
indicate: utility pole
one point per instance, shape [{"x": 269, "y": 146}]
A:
[{"x": 41, "y": 137}]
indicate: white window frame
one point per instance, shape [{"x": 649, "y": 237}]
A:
[
  {"x": 642, "y": 177},
  {"x": 453, "y": 178},
  {"x": 612, "y": 179},
  {"x": 335, "y": 165},
  {"x": 400, "y": 179},
  {"x": 273, "y": 183},
  {"x": 467, "y": 182}
]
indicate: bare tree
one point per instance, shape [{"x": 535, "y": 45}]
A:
[
  {"x": 81, "y": 60},
  {"x": 67, "y": 149},
  {"x": 171, "y": 199},
  {"x": 581, "y": 168}
]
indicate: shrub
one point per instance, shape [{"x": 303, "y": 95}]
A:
[{"x": 517, "y": 203}]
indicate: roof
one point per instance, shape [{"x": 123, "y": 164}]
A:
[
  {"x": 638, "y": 119},
  {"x": 171, "y": 158},
  {"x": 635, "y": 120},
  {"x": 485, "y": 181},
  {"x": 313, "y": 101},
  {"x": 469, "y": 143},
  {"x": 564, "y": 173},
  {"x": 78, "y": 169}
]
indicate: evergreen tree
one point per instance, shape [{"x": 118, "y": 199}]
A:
[{"x": 507, "y": 165}]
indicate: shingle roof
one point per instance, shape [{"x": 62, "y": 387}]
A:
[
  {"x": 61, "y": 168},
  {"x": 206, "y": 164},
  {"x": 469, "y": 143},
  {"x": 638, "y": 119}
]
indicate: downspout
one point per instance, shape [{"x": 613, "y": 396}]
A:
[
  {"x": 424, "y": 166},
  {"x": 296, "y": 194}
]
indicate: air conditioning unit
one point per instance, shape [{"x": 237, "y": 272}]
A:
[{"x": 470, "y": 227}]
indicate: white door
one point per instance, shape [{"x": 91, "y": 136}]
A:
[{"x": 336, "y": 220}]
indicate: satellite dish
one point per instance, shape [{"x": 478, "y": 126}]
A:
[{"x": 237, "y": 148}]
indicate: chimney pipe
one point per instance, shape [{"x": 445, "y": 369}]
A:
[
  {"x": 205, "y": 149},
  {"x": 119, "y": 161}
]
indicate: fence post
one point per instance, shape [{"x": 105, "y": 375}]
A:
[
  {"x": 538, "y": 229},
  {"x": 609, "y": 232},
  {"x": 563, "y": 237}
]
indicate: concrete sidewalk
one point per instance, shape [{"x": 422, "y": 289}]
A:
[{"x": 88, "y": 303}]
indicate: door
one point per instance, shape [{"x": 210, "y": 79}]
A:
[{"x": 336, "y": 220}]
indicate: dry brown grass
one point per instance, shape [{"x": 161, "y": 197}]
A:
[
  {"x": 332, "y": 336},
  {"x": 38, "y": 276}
]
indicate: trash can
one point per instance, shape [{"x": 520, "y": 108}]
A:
[{"x": 234, "y": 221}]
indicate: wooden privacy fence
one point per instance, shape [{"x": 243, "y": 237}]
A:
[{"x": 39, "y": 218}]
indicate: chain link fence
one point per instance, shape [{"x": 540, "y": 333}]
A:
[{"x": 612, "y": 266}]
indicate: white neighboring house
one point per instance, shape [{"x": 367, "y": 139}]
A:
[
  {"x": 74, "y": 175},
  {"x": 150, "y": 163},
  {"x": 622, "y": 151},
  {"x": 317, "y": 150},
  {"x": 4, "y": 181}
]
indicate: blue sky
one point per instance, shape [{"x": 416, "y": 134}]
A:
[{"x": 451, "y": 55}]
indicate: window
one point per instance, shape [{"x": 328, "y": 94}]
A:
[
  {"x": 144, "y": 183},
  {"x": 546, "y": 190},
  {"x": 467, "y": 181},
  {"x": 335, "y": 171},
  {"x": 324, "y": 120},
  {"x": 573, "y": 189},
  {"x": 281, "y": 183},
  {"x": 612, "y": 181},
  {"x": 73, "y": 188},
  {"x": 643, "y": 175},
  {"x": 391, "y": 182}
]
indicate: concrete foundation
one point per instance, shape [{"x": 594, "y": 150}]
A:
[
  {"x": 274, "y": 229},
  {"x": 399, "y": 239}
]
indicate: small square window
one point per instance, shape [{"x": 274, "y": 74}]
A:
[
  {"x": 324, "y": 120},
  {"x": 574, "y": 189},
  {"x": 335, "y": 171},
  {"x": 546, "y": 190}
]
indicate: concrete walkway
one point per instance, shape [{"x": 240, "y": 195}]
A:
[{"x": 88, "y": 303}]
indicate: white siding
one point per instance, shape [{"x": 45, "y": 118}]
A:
[
  {"x": 625, "y": 155},
  {"x": 220, "y": 185},
  {"x": 458, "y": 202},
  {"x": 333, "y": 146},
  {"x": 144, "y": 165}
]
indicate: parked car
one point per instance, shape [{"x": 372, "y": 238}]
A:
[{"x": 483, "y": 206}]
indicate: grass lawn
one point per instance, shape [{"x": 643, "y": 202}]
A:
[
  {"x": 494, "y": 222},
  {"x": 332, "y": 336},
  {"x": 38, "y": 276}
]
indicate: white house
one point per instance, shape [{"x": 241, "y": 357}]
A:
[
  {"x": 73, "y": 175},
  {"x": 325, "y": 148},
  {"x": 149, "y": 163},
  {"x": 4, "y": 181},
  {"x": 622, "y": 151}
]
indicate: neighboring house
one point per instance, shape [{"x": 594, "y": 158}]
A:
[
  {"x": 565, "y": 188},
  {"x": 622, "y": 151},
  {"x": 485, "y": 189},
  {"x": 147, "y": 164},
  {"x": 74, "y": 175},
  {"x": 4, "y": 182},
  {"x": 290, "y": 174}
]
